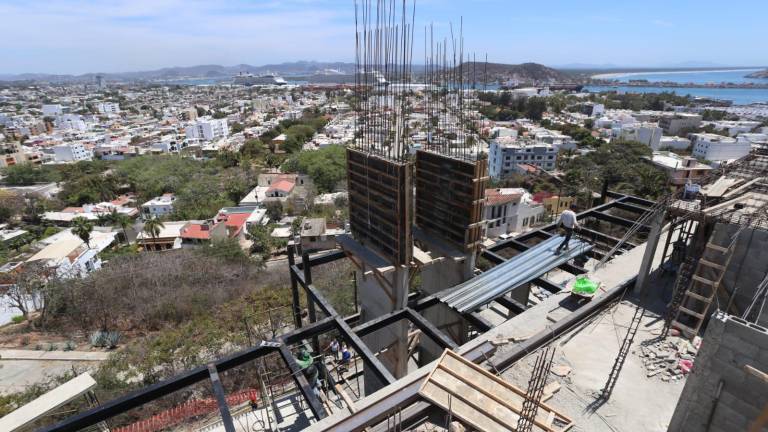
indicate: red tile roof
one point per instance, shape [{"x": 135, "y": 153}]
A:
[
  {"x": 282, "y": 185},
  {"x": 196, "y": 231},
  {"x": 495, "y": 197}
]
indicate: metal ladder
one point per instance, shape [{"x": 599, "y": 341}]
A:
[{"x": 702, "y": 291}]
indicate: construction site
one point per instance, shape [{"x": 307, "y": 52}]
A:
[{"x": 652, "y": 318}]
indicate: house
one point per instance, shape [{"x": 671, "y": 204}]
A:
[
  {"x": 158, "y": 206},
  {"x": 169, "y": 237},
  {"x": 680, "y": 170},
  {"x": 200, "y": 232},
  {"x": 553, "y": 203},
  {"x": 9, "y": 236},
  {"x": 509, "y": 210},
  {"x": 278, "y": 143},
  {"x": 70, "y": 256},
  {"x": 280, "y": 189},
  {"x": 316, "y": 235},
  {"x": 92, "y": 212}
]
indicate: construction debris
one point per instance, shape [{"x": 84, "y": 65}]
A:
[
  {"x": 561, "y": 370},
  {"x": 669, "y": 359}
]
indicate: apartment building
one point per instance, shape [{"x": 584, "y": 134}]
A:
[
  {"x": 207, "y": 129},
  {"x": 108, "y": 107},
  {"x": 646, "y": 133},
  {"x": 674, "y": 123},
  {"x": 72, "y": 152},
  {"x": 505, "y": 153},
  {"x": 717, "y": 148}
]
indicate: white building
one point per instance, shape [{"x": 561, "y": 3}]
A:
[
  {"x": 505, "y": 153},
  {"x": 52, "y": 110},
  {"x": 158, "y": 206},
  {"x": 674, "y": 143},
  {"x": 646, "y": 133},
  {"x": 70, "y": 256},
  {"x": 72, "y": 152},
  {"x": 674, "y": 123},
  {"x": 207, "y": 129},
  {"x": 717, "y": 148},
  {"x": 108, "y": 107},
  {"x": 510, "y": 210}
]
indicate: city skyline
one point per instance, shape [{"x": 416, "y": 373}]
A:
[{"x": 76, "y": 37}]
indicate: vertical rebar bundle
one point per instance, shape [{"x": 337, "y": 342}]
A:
[
  {"x": 535, "y": 390},
  {"x": 387, "y": 93}
]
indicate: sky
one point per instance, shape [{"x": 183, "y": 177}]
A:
[{"x": 79, "y": 36}]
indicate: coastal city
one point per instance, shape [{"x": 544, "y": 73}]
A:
[{"x": 437, "y": 240}]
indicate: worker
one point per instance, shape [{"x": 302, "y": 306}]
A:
[
  {"x": 569, "y": 223},
  {"x": 345, "y": 356},
  {"x": 335, "y": 349},
  {"x": 307, "y": 366}
]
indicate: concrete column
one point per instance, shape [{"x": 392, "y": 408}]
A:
[
  {"x": 440, "y": 274},
  {"x": 380, "y": 294},
  {"x": 657, "y": 223}
]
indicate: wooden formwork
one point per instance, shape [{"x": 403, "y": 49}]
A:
[
  {"x": 450, "y": 194},
  {"x": 380, "y": 195}
]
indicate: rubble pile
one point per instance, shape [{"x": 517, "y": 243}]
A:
[{"x": 669, "y": 359}]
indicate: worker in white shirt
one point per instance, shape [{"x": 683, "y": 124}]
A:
[{"x": 569, "y": 223}]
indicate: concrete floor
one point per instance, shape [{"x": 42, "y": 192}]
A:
[{"x": 638, "y": 403}]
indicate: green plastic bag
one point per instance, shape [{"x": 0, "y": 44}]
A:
[{"x": 584, "y": 286}]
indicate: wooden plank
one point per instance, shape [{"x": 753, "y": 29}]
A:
[
  {"x": 697, "y": 296},
  {"x": 698, "y": 278},
  {"x": 46, "y": 403},
  {"x": 717, "y": 247},
  {"x": 707, "y": 263},
  {"x": 691, "y": 313},
  {"x": 483, "y": 399}
]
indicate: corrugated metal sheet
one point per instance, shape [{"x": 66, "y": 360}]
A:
[{"x": 516, "y": 271}]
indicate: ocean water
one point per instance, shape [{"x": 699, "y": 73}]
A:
[
  {"x": 737, "y": 96},
  {"x": 694, "y": 77}
]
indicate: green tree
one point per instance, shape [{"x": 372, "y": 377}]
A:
[
  {"x": 82, "y": 228},
  {"x": 262, "y": 242},
  {"x": 274, "y": 210},
  {"x": 115, "y": 218}
]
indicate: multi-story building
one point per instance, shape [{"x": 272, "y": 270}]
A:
[
  {"x": 108, "y": 107},
  {"x": 674, "y": 123},
  {"x": 646, "y": 133},
  {"x": 717, "y": 148},
  {"x": 72, "y": 152},
  {"x": 505, "y": 153},
  {"x": 509, "y": 210},
  {"x": 207, "y": 129}
]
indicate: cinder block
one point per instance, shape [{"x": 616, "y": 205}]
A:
[
  {"x": 740, "y": 345},
  {"x": 728, "y": 419},
  {"x": 741, "y": 329},
  {"x": 739, "y": 402}
]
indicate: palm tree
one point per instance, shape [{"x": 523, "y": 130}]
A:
[
  {"x": 153, "y": 227},
  {"x": 82, "y": 228},
  {"x": 115, "y": 218}
]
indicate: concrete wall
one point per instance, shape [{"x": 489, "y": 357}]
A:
[
  {"x": 435, "y": 277},
  {"x": 720, "y": 395},
  {"x": 748, "y": 267}
]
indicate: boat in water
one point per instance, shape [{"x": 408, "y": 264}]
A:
[{"x": 248, "y": 79}]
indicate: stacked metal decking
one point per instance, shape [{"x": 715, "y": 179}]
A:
[{"x": 505, "y": 277}]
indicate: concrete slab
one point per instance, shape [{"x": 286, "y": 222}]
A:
[{"x": 11, "y": 354}]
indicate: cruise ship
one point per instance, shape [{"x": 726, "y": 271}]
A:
[{"x": 266, "y": 79}]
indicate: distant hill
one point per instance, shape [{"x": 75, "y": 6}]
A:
[
  {"x": 299, "y": 68},
  {"x": 312, "y": 71},
  {"x": 499, "y": 72},
  {"x": 759, "y": 74}
]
